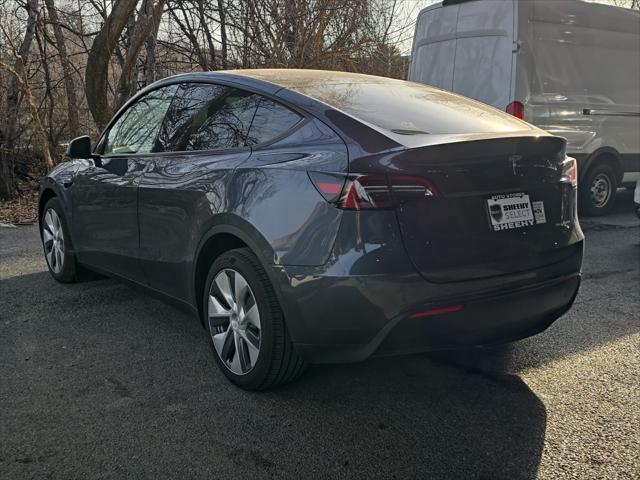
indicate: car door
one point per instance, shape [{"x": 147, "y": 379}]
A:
[
  {"x": 105, "y": 192},
  {"x": 202, "y": 141}
]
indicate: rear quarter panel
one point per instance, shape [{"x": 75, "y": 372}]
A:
[{"x": 272, "y": 192}]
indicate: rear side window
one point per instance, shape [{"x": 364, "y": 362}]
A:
[
  {"x": 216, "y": 117},
  {"x": 208, "y": 117},
  {"x": 271, "y": 120}
]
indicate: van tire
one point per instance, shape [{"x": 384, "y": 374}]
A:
[{"x": 597, "y": 191}]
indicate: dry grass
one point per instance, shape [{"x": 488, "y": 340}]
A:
[
  {"x": 24, "y": 208},
  {"x": 20, "y": 210}
]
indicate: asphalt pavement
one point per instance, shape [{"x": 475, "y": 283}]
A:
[{"x": 99, "y": 380}]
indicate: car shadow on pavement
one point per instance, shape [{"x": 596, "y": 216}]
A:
[
  {"x": 107, "y": 383},
  {"x": 420, "y": 416}
]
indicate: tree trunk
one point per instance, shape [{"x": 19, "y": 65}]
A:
[
  {"x": 188, "y": 31},
  {"x": 67, "y": 71},
  {"x": 97, "y": 70},
  {"x": 150, "y": 60},
  {"x": 7, "y": 139},
  {"x": 207, "y": 35},
  {"x": 222, "y": 15},
  {"x": 41, "y": 135},
  {"x": 48, "y": 96},
  {"x": 23, "y": 83},
  {"x": 146, "y": 21}
]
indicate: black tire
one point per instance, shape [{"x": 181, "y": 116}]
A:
[
  {"x": 69, "y": 271},
  {"x": 589, "y": 203},
  {"x": 277, "y": 361}
]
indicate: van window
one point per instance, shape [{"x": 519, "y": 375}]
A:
[{"x": 573, "y": 67}]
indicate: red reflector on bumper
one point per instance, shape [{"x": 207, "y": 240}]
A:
[{"x": 437, "y": 311}]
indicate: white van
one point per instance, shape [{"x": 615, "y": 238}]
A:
[{"x": 567, "y": 66}]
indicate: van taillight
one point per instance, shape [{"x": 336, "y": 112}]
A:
[
  {"x": 570, "y": 171},
  {"x": 516, "y": 109},
  {"x": 371, "y": 191}
]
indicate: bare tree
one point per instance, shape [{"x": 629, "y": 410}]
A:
[
  {"x": 97, "y": 71},
  {"x": 20, "y": 75},
  {"x": 81, "y": 59},
  {"x": 7, "y": 182},
  {"x": 150, "y": 49},
  {"x": 67, "y": 71},
  {"x": 147, "y": 20}
]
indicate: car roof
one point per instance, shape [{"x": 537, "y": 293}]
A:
[
  {"x": 326, "y": 93},
  {"x": 290, "y": 77}
]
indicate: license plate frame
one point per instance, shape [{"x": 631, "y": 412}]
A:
[{"x": 509, "y": 211}]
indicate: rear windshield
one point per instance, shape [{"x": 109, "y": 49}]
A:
[{"x": 405, "y": 108}]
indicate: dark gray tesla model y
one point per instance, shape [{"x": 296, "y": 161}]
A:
[{"x": 314, "y": 216}]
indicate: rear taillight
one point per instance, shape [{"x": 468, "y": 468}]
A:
[
  {"x": 375, "y": 191},
  {"x": 570, "y": 171},
  {"x": 516, "y": 109},
  {"x": 365, "y": 192},
  {"x": 328, "y": 184}
]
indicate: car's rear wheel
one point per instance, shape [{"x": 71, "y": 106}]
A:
[
  {"x": 56, "y": 243},
  {"x": 598, "y": 190},
  {"x": 246, "y": 326}
]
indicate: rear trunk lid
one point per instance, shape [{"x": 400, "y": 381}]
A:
[{"x": 501, "y": 207}]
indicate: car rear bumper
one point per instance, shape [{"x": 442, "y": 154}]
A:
[
  {"x": 334, "y": 319},
  {"x": 499, "y": 318},
  {"x": 486, "y": 320}
]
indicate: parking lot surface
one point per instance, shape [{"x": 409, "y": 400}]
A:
[{"x": 98, "y": 380}]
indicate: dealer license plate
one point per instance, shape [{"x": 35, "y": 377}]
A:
[{"x": 509, "y": 211}]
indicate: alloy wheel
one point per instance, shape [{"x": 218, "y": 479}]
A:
[
  {"x": 600, "y": 190},
  {"x": 234, "y": 321},
  {"x": 53, "y": 239}
]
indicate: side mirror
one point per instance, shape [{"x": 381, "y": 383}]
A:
[{"x": 80, "y": 148}]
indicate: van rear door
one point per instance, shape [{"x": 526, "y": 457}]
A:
[
  {"x": 484, "y": 57},
  {"x": 434, "y": 47}
]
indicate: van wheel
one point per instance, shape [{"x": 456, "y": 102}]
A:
[
  {"x": 246, "y": 326},
  {"x": 598, "y": 191}
]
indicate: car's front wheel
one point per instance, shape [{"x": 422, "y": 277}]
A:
[
  {"x": 56, "y": 242},
  {"x": 246, "y": 325}
]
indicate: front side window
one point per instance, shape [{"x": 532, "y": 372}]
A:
[{"x": 136, "y": 130}]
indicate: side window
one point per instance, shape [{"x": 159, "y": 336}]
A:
[
  {"x": 208, "y": 117},
  {"x": 270, "y": 121},
  {"x": 136, "y": 130}
]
